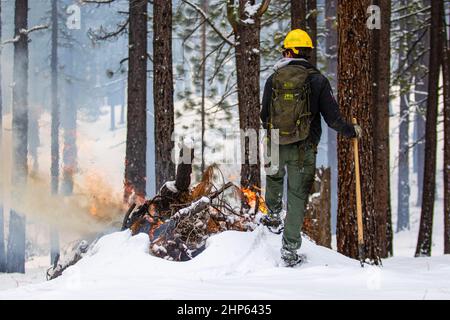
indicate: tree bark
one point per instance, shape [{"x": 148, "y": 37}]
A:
[
  {"x": 16, "y": 240},
  {"x": 355, "y": 100},
  {"x": 331, "y": 65},
  {"x": 163, "y": 90},
  {"x": 304, "y": 16},
  {"x": 54, "y": 238},
  {"x": 70, "y": 142},
  {"x": 135, "y": 161},
  {"x": 421, "y": 89},
  {"x": 446, "y": 72},
  {"x": 69, "y": 121},
  {"x": 203, "y": 75},
  {"x": 403, "y": 183},
  {"x": 112, "y": 107},
  {"x": 247, "y": 34},
  {"x": 312, "y": 28},
  {"x": 429, "y": 178},
  {"x": 298, "y": 14},
  {"x": 381, "y": 53},
  {"x": 54, "y": 101}
]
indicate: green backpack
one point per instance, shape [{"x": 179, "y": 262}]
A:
[{"x": 290, "y": 110}]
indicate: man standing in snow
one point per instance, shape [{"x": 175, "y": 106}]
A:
[{"x": 295, "y": 96}]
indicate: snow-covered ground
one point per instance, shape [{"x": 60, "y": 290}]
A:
[
  {"x": 238, "y": 265},
  {"x": 35, "y": 273}
]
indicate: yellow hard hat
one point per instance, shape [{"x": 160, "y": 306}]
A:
[{"x": 297, "y": 38}]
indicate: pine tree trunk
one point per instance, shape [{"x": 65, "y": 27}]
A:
[
  {"x": 381, "y": 53},
  {"x": 429, "y": 178},
  {"x": 403, "y": 152},
  {"x": 2, "y": 221},
  {"x": 304, "y": 16},
  {"x": 54, "y": 101},
  {"x": 203, "y": 71},
  {"x": 446, "y": 72},
  {"x": 421, "y": 89},
  {"x": 33, "y": 137},
  {"x": 298, "y": 14},
  {"x": 123, "y": 104},
  {"x": 70, "y": 135},
  {"x": 16, "y": 240},
  {"x": 112, "y": 107},
  {"x": 355, "y": 100},
  {"x": 54, "y": 238},
  {"x": 312, "y": 28},
  {"x": 69, "y": 121},
  {"x": 331, "y": 51},
  {"x": 248, "y": 71},
  {"x": 135, "y": 161},
  {"x": 163, "y": 90},
  {"x": 122, "y": 114}
]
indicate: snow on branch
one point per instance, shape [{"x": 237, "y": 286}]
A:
[
  {"x": 251, "y": 11},
  {"x": 263, "y": 8},
  {"x": 102, "y": 34},
  {"x": 255, "y": 11},
  {"x": 98, "y": 1},
  {"x": 205, "y": 16},
  {"x": 26, "y": 32}
]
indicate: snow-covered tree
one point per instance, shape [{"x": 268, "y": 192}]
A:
[{"x": 16, "y": 240}]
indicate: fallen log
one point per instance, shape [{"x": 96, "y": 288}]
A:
[{"x": 71, "y": 256}]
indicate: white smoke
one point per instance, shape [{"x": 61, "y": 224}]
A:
[{"x": 93, "y": 208}]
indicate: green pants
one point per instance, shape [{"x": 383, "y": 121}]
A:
[{"x": 300, "y": 162}]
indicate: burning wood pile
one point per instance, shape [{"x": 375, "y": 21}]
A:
[{"x": 179, "y": 219}]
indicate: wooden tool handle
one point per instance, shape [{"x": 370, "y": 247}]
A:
[{"x": 358, "y": 190}]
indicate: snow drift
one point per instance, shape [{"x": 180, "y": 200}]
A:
[{"x": 237, "y": 265}]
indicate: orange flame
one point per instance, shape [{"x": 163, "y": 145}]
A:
[
  {"x": 102, "y": 200},
  {"x": 93, "y": 210},
  {"x": 252, "y": 197}
]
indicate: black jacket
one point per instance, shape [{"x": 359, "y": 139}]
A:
[{"x": 322, "y": 102}]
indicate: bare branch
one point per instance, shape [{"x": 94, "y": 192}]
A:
[
  {"x": 102, "y": 34},
  {"x": 98, "y": 1},
  {"x": 33, "y": 29},
  {"x": 263, "y": 8},
  {"x": 26, "y": 32},
  {"x": 231, "y": 15},
  {"x": 411, "y": 14},
  {"x": 201, "y": 12}
]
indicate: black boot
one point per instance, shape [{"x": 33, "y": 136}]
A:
[{"x": 273, "y": 222}]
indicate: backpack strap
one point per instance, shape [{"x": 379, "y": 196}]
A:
[{"x": 306, "y": 90}]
